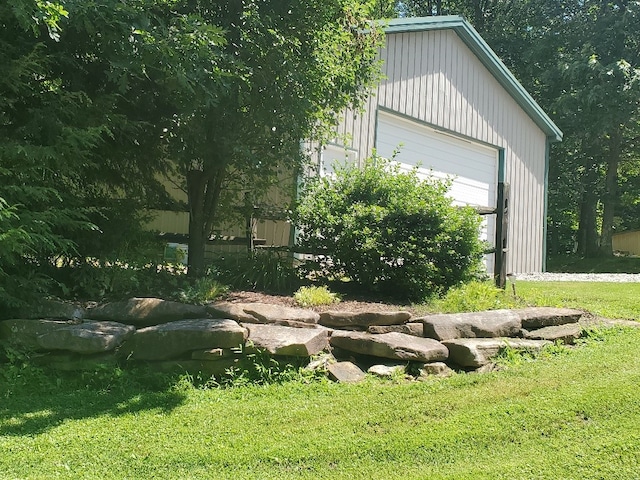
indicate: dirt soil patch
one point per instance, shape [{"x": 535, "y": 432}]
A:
[{"x": 348, "y": 304}]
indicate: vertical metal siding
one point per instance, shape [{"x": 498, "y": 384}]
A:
[{"x": 434, "y": 77}]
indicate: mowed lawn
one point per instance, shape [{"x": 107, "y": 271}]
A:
[{"x": 571, "y": 414}]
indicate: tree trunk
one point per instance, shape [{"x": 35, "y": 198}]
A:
[
  {"x": 587, "y": 229},
  {"x": 197, "y": 237},
  {"x": 609, "y": 198}
]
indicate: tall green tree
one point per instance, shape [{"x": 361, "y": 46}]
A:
[{"x": 276, "y": 74}]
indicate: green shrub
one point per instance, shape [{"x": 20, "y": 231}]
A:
[
  {"x": 314, "y": 296},
  {"x": 262, "y": 270},
  {"x": 388, "y": 231},
  {"x": 474, "y": 297},
  {"x": 205, "y": 289}
]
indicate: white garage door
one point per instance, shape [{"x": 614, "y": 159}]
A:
[{"x": 473, "y": 167}]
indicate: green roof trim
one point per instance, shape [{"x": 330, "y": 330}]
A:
[{"x": 487, "y": 56}]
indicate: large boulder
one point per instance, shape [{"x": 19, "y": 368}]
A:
[
  {"x": 397, "y": 346},
  {"x": 567, "y": 333},
  {"x": 143, "y": 312},
  {"x": 489, "y": 324},
  {"x": 338, "y": 319},
  {"x": 51, "y": 309},
  {"x": 476, "y": 352},
  {"x": 171, "y": 340},
  {"x": 345, "y": 372},
  {"x": 25, "y": 333},
  {"x": 289, "y": 341},
  {"x": 86, "y": 338},
  {"x": 538, "y": 317}
]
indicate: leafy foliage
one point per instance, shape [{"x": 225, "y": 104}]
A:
[
  {"x": 388, "y": 231},
  {"x": 314, "y": 296}
]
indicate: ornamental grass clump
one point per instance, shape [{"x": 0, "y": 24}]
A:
[{"x": 388, "y": 231}]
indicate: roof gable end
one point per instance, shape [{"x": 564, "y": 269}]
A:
[{"x": 487, "y": 56}]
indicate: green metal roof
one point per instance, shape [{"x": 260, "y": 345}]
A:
[{"x": 488, "y": 57}]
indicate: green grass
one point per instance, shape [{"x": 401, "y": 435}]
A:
[
  {"x": 610, "y": 300},
  {"x": 573, "y": 264},
  {"x": 572, "y": 416}
]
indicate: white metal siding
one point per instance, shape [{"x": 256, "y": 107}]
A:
[{"x": 434, "y": 77}]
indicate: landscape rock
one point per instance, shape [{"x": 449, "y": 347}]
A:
[
  {"x": 267, "y": 313},
  {"x": 567, "y": 333},
  {"x": 171, "y": 340},
  {"x": 53, "y": 310},
  {"x": 288, "y": 341},
  {"x": 476, "y": 352},
  {"x": 143, "y": 312},
  {"x": 437, "y": 369},
  {"x": 538, "y": 317},
  {"x": 387, "y": 371},
  {"x": 25, "y": 333},
  {"x": 488, "y": 324},
  {"x": 339, "y": 319},
  {"x": 86, "y": 338},
  {"x": 398, "y": 346},
  {"x": 345, "y": 372},
  {"x": 233, "y": 311},
  {"x": 415, "y": 329}
]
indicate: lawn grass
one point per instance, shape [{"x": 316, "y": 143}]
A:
[
  {"x": 569, "y": 416},
  {"x": 574, "y": 264},
  {"x": 572, "y": 414},
  {"x": 606, "y": 299}
]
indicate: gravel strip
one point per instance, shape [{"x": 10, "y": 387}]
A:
[{"x": 579, "y": 277}]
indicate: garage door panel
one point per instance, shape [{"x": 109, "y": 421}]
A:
[{"x": 472, "y": 167}]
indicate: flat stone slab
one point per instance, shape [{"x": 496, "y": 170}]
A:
[
  {"x": 25, "y": 333},
  {"x": 145, "y": 311},
  {"x": 234, "y": 311},
  {"x": 345, "y": 372},
  {"x": 488, "y": 324},
  {"x": 476, "y": 352},
  {"x": 289, "y": 341},
  {"x": 415, "y": 329},
  {"x": 567, "y": 333},
  {"x": 398, "y": 346},
  {"x": 267, "y": 313},
  {"x": 338, "y": 319},
  {"x": 171, "y": 340},
  {"x": 538, "y": 317},
  {"x": 87, "y": 338}
]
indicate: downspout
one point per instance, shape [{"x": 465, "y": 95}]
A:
[{"x": 547, "y": 149}]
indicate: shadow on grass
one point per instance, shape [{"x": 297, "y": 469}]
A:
[{"x": 33, "y": 401}]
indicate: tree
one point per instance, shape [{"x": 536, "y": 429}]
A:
[{"x": 276, "y": 75}]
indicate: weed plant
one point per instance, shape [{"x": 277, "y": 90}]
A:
[
  {"x": 204, "y": 290},
  {"x": 314, "y": 296}
]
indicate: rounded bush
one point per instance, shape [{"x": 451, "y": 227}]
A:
[{"x": 388, "y": 231}]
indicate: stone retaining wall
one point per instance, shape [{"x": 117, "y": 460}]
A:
[{"x": 209, "y": 339}]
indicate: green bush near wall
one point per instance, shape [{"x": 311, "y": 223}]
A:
[{"x": 388, "y": 231}]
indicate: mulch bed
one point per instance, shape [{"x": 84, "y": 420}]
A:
[{"x": 348, "y": 303}]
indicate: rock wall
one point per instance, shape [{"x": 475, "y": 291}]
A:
[{"x": 209, "y": 339}]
